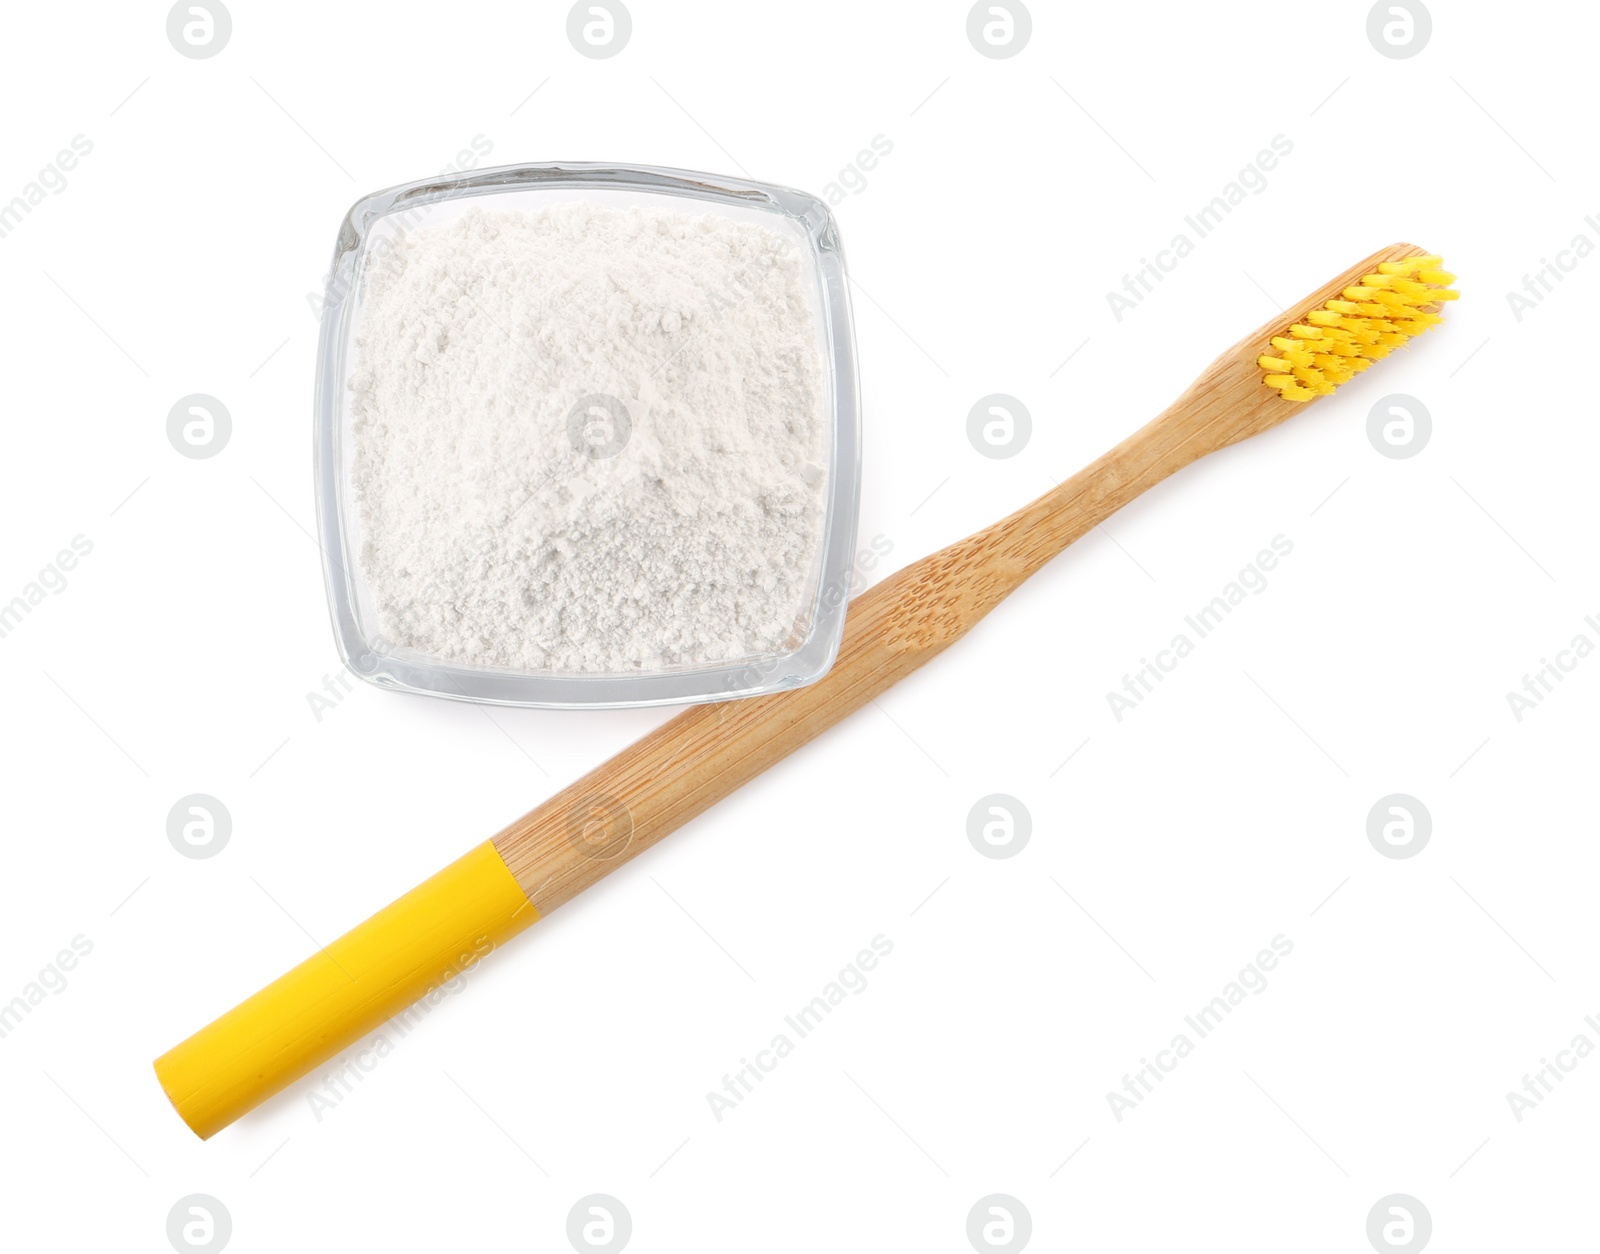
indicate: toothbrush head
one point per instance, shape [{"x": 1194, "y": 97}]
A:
[{"x": 1364, "y": 323}]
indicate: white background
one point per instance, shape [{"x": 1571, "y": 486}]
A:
[{"x": 1228, "y": 808}]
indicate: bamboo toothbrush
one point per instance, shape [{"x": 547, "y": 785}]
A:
[{"x": 441, "y": 928}]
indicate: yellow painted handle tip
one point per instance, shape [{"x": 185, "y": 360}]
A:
[{"x": 435, "y": 933}]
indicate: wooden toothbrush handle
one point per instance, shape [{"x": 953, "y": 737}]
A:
[{"x": 694, "y": 760}]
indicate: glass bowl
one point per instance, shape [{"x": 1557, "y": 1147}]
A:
[{"x": 810, "y": 649}]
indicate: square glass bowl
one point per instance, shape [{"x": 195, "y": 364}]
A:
[{"x": 802, "y": 218}]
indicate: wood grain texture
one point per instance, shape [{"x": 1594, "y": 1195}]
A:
[{"x": 694, "y": 760}]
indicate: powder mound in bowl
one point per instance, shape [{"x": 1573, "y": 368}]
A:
[{"x": 589, "y": 439}]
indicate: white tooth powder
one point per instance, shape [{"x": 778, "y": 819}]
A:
[{"x": 499, "y": 530}]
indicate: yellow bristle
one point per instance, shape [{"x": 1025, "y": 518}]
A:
[{"x": 1364, "y": 324}]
